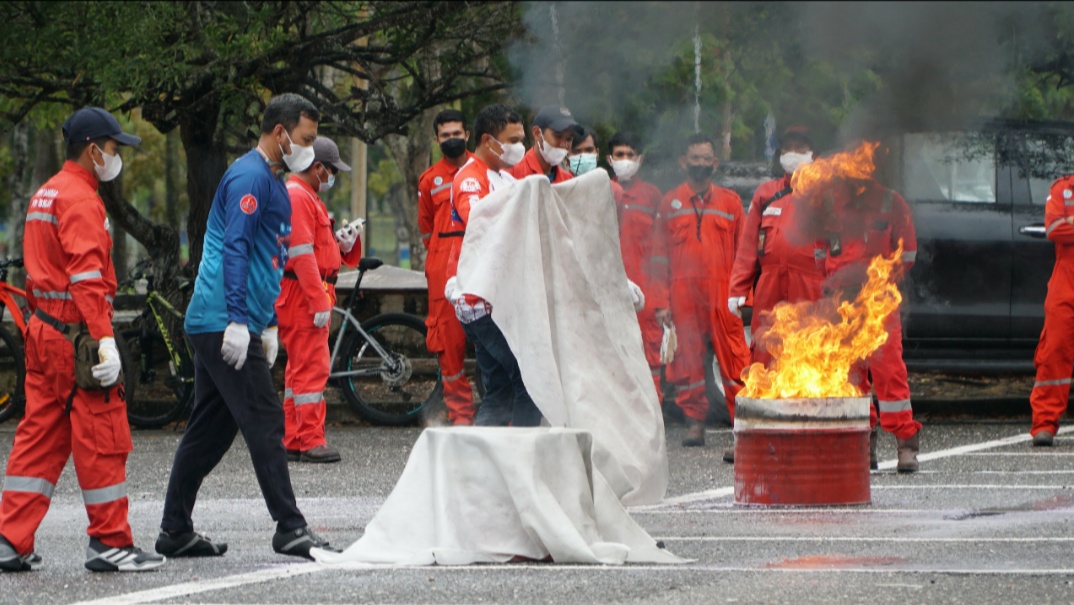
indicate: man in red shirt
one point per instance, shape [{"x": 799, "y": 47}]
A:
[
  {"x": 638, "y": 204},
  {"x": 554, "y": 130},
  {"x": 70, "y": 284},
  {"x": 445, "y": 336},
  {"x": 698, "y": 228},
  {"x": 304, "y": 306},
  {"x": 775, "y": 257},
  {"x": 499, "y": 133}
]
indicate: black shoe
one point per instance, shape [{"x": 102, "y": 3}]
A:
[
  {"x": 1043, "y": 439},
  {"x": 298, "y": 543},
  {"x": 293, "y": 455},
  {"x": 13, "y": 561},
  {"x": 188, "y": 544},
  {"x": 321, "y": 454},
  {"x": 100, "y": 557}
]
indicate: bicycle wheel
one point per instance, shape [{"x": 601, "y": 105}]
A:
[
  {"x": 164, "y": 391},
  {"x": 12, "y": 375},
  {"x": 391, "y": 391}
]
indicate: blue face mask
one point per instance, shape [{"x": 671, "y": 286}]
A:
[{"x": 583, "y": 163}]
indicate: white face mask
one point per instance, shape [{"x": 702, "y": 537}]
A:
[
  {"x": 791, "y": 161},
  {"x": 110, "y": 170},
  {"x": 300, "y": 157},
  {"x": 553, "y": 155},
  {"x": 512, "y": 153},
  {"x": 323, "y": 186},
  {"x": 624, "y": 169}
]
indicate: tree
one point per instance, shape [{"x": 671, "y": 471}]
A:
[{"x": 208, "y": 68}]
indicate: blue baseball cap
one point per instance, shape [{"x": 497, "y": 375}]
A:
[{"x": 91, "y": 123}]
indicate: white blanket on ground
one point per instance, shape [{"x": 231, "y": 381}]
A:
[
  {"x": 488, "y": 494},
  {"x": 547, "y": 258}
]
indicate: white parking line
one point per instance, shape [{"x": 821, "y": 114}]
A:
[{"x": 862, "y": 539}]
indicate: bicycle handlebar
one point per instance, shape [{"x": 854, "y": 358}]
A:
[{"x": 11, "y": 262}]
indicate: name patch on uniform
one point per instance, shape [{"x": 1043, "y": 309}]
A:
[
  {"x": 772, "y": 211},
  {"x": 470, "y": 185},
  {"x": 248, "y": 203},
  {"x": 438, "y": 180},
  {"x": 676, "y": 204}
]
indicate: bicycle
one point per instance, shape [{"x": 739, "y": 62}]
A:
[
  {"x": 12, "y": 356},
  {"x": 162, "y": 357},
  {"x": 386, "y": 373}
]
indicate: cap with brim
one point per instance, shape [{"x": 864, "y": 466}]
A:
[
  {"x": 796, "y": 133},
  {"x": 325, "y": 151},
  {"x": 90, "y": 123},
  {"x": 558, "y": 119}
]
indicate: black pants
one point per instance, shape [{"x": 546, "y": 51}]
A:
[
  {"x": 227, "y": 401},
  {"x": 506, "y": 401}
]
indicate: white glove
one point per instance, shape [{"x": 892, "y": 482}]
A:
[
  {"x": 349, "y": 234},
  {"x": 108, "y": 370},
  {"x": 320, "y": 318},
  {"x": 734, "y": 305},
  {"x": 449, "y": 290},
  {"x": 669, "y": 344},
  {"x": 236, "y": 343},
  {"x": 636, "y": 296},
  {"x": 271, "y": 344}
]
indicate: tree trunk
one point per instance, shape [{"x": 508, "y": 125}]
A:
[
  {"x": 206, "y": 162},
  {"x": 412, "y": 154},
  {"x": 171, "y": 179},
  {"x": 18, "y": 185},
  {"x": 727, "y": 122}
]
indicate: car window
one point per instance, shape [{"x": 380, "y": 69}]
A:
[
  {"x": 954, "y": 167},
  {"x": 1047, "y": 157}
]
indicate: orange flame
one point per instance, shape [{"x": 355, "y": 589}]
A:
[
  {"x": 814, "y": 345},
  {"x": 856, "y": 164}
]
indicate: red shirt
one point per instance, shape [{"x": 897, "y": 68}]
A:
[
  {"x": 67, "y": 247},
  {"x": 530, "y": 164},
  {"x": 434, "y": 222}
]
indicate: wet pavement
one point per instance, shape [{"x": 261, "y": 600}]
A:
[{"x": 989, "y": 519}]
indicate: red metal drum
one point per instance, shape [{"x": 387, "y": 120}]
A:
[{"x": 802, "y": 452}]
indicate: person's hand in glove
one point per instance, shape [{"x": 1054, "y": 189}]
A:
[
  {"x": 636, "y": 296},
  {"x": 108, "y": 370},
  {"x": 320, "y": 318},
  {"x": 349, "y": 234},
  {"x": 236, "y": 344},
  {"x": 734, "y": 304},
  {"x": 450, "y": 290},
  {"x": 271, "y": 344}
]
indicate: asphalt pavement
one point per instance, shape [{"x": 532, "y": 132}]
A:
[{"x": 989, "y": 519}]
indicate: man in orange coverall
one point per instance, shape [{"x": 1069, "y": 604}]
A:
[
  {"x": 70, "y": 284},
  {"x": 698, "y": 229},
  {"x": 867, "y": 220},
  {"x": 638, "y": 205},
  {"x": 775, "y": 257},
  {"x": 307, "y": 295},
  {"x": 1055, "y": 352},
  {"x": 445, "y": 336},
  {"x": 553, "y": 130}
]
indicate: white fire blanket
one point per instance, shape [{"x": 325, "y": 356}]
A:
[
  {"x": 490, "y": 494},
  {"x": 547, "y": 258}
]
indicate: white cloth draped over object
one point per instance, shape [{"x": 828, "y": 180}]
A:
[
  {"x": 547, "y": 258},
  {"x": 489, "y": 494}
]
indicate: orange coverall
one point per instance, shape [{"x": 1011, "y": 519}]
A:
[
  {"x": 1055, "y": 352},
  {"x": 699, "y": 235},
  {"x": 445, "y": 336},
  {"x": 313, "y": 262},
  {"x": 638, "y": 204},
  {"x": 862, "y": 226},
  {"x": 70, "y": 277},
  {"x": 774, "y": 258},
  {"x": 531, "y": 165}
]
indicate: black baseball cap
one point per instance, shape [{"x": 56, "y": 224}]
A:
[
  {"x": 796, "y": 133},
  {"x": 91, "y": 123},
  {"x": 558, "y": 119},
  {"x": 325, "y": 151}
]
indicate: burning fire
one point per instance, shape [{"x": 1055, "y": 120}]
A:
[
  {"x": 846, "y": 165},
  {"x": 815, "y": 345}
]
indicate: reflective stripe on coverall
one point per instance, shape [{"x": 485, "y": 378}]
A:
[
  {"x": 1055, "y": 351},
  {"x": 863, "y": 226},
  {"x": 638, "y": 205},
  {"x": 773, "y": 259},
  {"x": 313, "y": 257},
  {"x": 698, "y": 235},
  {"x": 445, "y": 336},
  {"x": 68, "y": 263}
]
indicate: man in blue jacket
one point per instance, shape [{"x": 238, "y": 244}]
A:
[{"x": 231, "y": 324}]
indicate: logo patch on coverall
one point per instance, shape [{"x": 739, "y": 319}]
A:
[
  {"x": 470, "y": 185},
  {"x": 438, "y": 180},
  {"x": 248, "y": 203}
]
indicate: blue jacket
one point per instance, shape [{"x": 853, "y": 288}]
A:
[{"x": 245, "y": 250}]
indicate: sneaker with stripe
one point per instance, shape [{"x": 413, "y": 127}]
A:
[
  {"x": 100, "y": 557},
  {"x": 298, "y": 542},
  {"x": 13, "y": 561},
  {"x": 189, "y": 544}
]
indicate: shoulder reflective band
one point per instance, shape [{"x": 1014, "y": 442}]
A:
[
  {"x": 299, "y": 250},
  {"x": 33, "y": 485},
  {"x": 726, "y": 215},
  {"x": 436, "y": 190},
  {"x": 105, "y": 495},
  {"x": 639, "y": 208},
  {"x": 42, "y": 216},
  {"x": 77, "y": 277}
]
